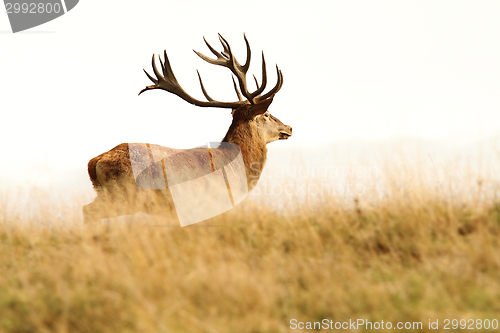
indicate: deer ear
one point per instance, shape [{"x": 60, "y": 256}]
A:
[{"x": 260, "y": 107}]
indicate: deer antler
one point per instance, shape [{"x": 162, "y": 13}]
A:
[{"x": 226, "y": 59}]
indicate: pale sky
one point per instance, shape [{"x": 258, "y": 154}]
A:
[{"x": 365, "y": 70}]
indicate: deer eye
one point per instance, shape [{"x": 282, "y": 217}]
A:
[{"x": 266, "y": 114}]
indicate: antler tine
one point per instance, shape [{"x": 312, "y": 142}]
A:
[
  {"x": 236, "y": 89},
  {"x": 276, "y": 88},
  {"x": 210, "y": 60},
  {"x": 155, "y": 81},
  {"x": 261, "y": 88},
  {"x": 166, "y": 67},
  {"x": 245, "y": 67},
  {"x": 214, "y": 51},
  {"x": 149, "y": 76},
  {"x": 256, "y": 82},
  {"x": 203, "y": 88},
  {"x": 227, "y": 49}
]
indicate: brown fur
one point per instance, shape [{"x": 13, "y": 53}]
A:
[
  {"x": 253, "y": 150},
  {"x": 112, "y": 164},
  {"x": 92, "y": 171}
]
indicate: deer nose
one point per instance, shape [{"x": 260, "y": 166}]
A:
[{"x": 290, "y": 128}]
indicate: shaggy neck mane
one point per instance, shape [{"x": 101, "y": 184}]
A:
[{"x": 252, "y": 148}]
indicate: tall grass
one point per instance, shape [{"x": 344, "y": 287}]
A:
[{"x": 422, "y": 242}]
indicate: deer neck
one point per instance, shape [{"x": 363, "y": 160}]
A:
[{"x": 253, "y": 149}]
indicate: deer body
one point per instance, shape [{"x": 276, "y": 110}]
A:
[{"x": 251, "y": 129}]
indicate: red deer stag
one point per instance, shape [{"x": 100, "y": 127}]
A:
[{"x": 252, "y": 127}]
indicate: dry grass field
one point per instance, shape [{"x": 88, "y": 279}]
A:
[{"x": 421, "y": 242}]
